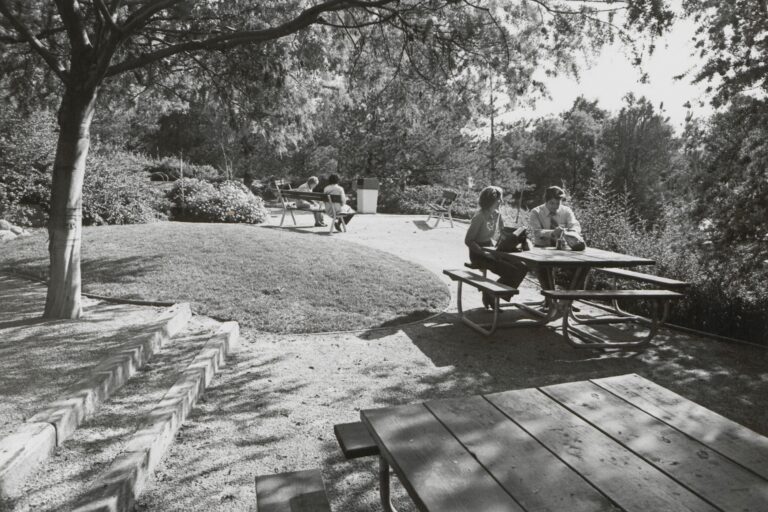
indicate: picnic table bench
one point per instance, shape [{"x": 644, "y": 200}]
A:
[
  {"x": 613, "y": 444},
  {"x": 354, "y": 440},
  {"x": 292, "y": 200},
  {"x": 565, "y": 300},
  {"x": 493, "y": 288},
  {"x": 662, "y": 282},
  {"x": 296, "y": 491}
]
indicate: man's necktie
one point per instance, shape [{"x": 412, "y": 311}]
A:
[{"x": 553, "y": 220}]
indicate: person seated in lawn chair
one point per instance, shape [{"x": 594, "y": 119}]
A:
[
  {"x": 309, "y": 186},
  {"x": 484, "y": 229},
  {"x": 334, "y": 188},
  {"x": 552, "y": 222}
]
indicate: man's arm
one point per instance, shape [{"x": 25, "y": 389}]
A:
[
  {"x": 541, "y": 237},
  {"x": 571, "y": 222}
]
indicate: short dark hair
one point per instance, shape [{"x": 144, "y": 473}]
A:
[
  {"x": 488, "y": 196},
  {"x": 333, "y": 179},
  {"x": 554, "y": 193}
]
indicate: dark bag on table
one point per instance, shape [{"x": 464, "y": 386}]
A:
[{"x": 513, "y": 240}]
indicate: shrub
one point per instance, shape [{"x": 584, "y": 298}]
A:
[
  {"x": 228, "y": 201},
  {"x": 721, "y": 299},
  {"x": 116, "y": 191},
  {"x": 169, "y": 169},
  {"x": 27, "y": 148}
]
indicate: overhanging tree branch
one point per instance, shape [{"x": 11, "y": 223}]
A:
[
  {"x": 34, "y": 42},
  {"x": 306, "y": 18}
]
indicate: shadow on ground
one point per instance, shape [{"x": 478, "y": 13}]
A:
[{"x": 274, "y": 409}]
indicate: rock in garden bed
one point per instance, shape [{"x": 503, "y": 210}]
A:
[{"x": 9, "y": 231}]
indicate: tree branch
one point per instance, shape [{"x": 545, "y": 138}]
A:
[
  {"x": 107, "y": 15},
  {"x": 69, "y": 10},
  {"x": 34, "y": 42},
  {"x": 304, "y": 19}
]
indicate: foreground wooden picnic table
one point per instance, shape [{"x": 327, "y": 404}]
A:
[{"x": 618, "y": 443}]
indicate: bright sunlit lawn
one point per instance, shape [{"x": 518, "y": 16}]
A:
[{"x": 266, "y": 279}]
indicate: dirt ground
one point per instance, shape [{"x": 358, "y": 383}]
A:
[{"x": 273, "y": 408}]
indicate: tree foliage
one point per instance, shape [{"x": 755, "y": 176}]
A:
[
  {"x": 730, "y": 39},
  {"x": 638, "y": 152}
]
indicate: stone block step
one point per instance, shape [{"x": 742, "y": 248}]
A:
[
  {"x": 19, "y": 459},
  {"x": 116, "y": 488}
]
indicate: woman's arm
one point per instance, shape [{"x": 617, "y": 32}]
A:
[{"x": 470, "y": 239}]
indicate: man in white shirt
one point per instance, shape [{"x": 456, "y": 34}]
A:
[{"x": 549, "y": 220}]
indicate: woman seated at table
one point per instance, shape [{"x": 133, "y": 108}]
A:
[{"x": 485, "y": 227}]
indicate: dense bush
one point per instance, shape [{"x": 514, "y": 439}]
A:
[
  {"x": 116, "y": 191},
  {"x": 201, "y": 201},
  {"x": 170, "y": 169},
  {"x": 720, "y": 299},
  {"x": 27, "y": 148},
  {"x": 414, "y": 200}
]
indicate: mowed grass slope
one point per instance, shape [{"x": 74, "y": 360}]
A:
[{"x": 267, "y": 279}]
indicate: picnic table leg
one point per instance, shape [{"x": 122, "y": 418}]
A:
[
  {"x": 589, "y": 340},
  {"x": 386, "y": 502},
  {"x": 472, "y": 324}
]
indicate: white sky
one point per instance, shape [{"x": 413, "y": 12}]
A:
[{"x": 612, "y": 76}]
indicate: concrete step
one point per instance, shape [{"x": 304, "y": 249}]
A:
[
  {"x": 35, "y": 440},
  {"x": 117, "y": 486}
]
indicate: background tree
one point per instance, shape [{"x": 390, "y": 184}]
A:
[
  {"x": 85, "y": 44},
  {"x": 638, "y": 147}
]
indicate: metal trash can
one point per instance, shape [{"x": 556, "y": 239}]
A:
[{"x": 367, "y": 195}]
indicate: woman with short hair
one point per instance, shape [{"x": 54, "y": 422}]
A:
[
  {"x": 483, "y": 232},
  {"x": 331, "y": 209}
]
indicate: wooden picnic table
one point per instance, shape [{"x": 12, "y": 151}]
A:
[
  {"x": 612, "y": 444},
  {"x": 548, "y": 259}
]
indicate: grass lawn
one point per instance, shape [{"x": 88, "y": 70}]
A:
[{"x": 266, "y": 279}]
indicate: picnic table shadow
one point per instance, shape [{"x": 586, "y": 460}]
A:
[{"x": 525, "y": 357}]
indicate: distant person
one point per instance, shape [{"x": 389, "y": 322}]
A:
[
  {"x": 550, "y": 220},
  {"x": 309, "y": 186},
  {"x": 485, "y": 228},
  {"x": 331, "y": 209}
]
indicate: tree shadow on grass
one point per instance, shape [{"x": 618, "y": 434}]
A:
[{"x": 119, "y": 270}]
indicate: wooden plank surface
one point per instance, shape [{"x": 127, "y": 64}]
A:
[
  {"x": 625, "y": 478},
  {"x": 725, "y": 484},
  {"x": 608, "y": 294},
  {"x": 727, "y": 437},
  {"x": 532, "y": 474},
  {"x": 590, "y": 257},
  {"x": 439, "y": 474}
]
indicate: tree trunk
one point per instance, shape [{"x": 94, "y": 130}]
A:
[{"x": 65, "y": 224}]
